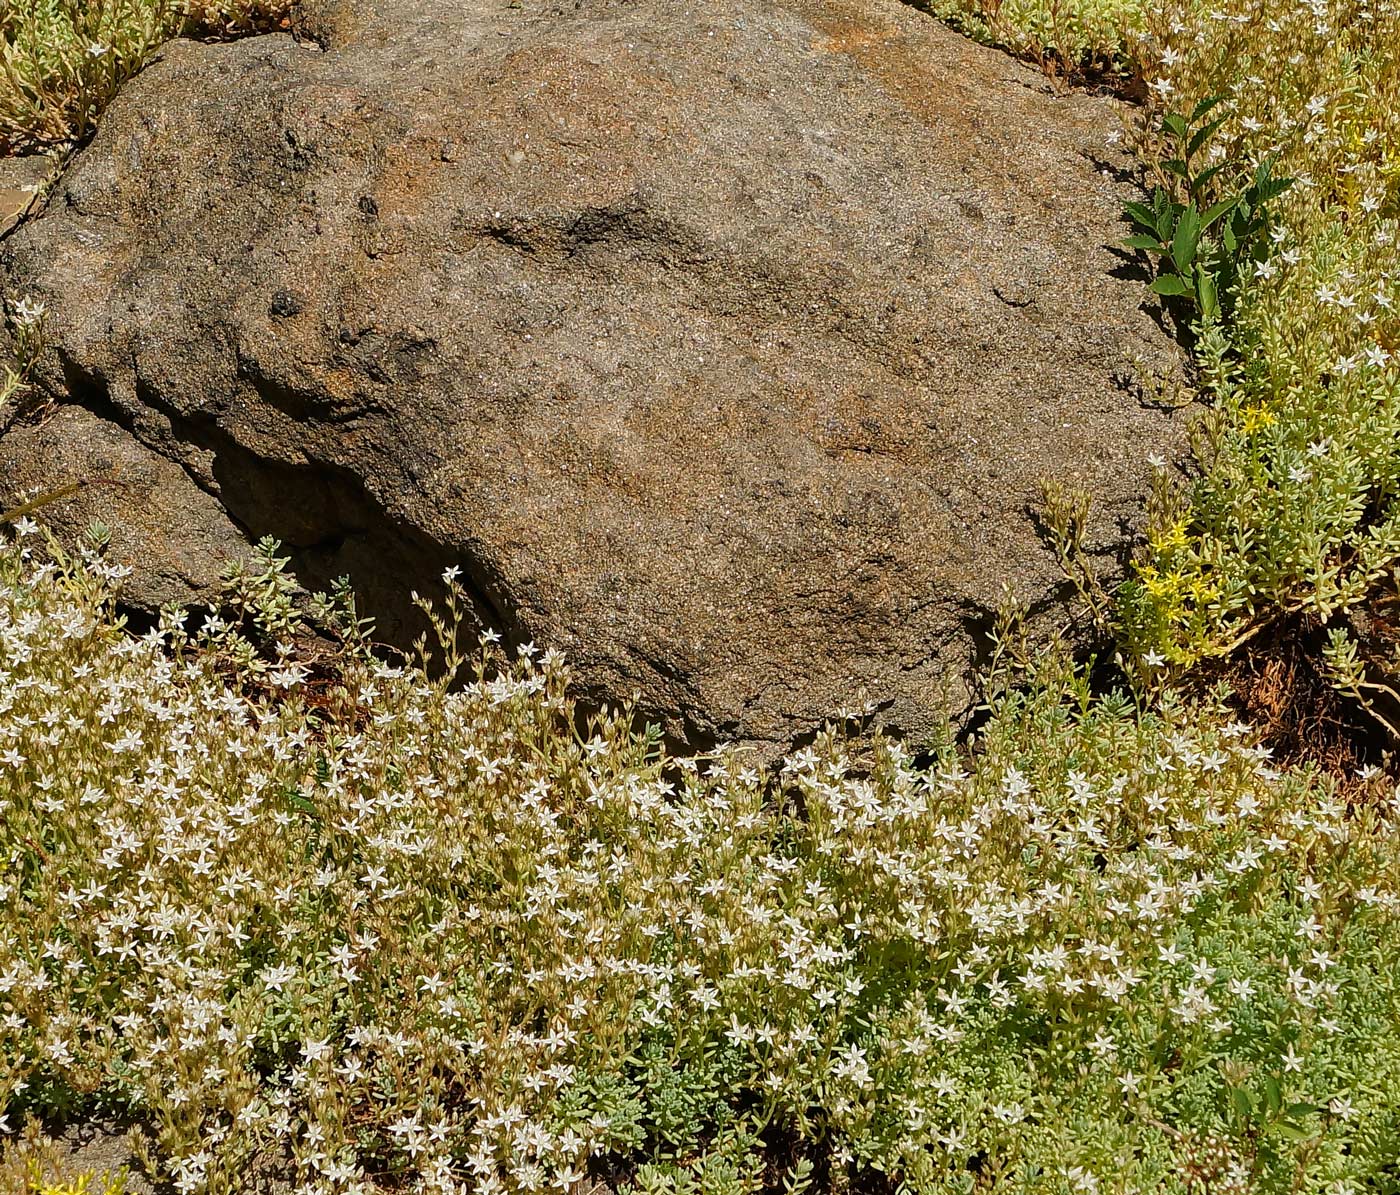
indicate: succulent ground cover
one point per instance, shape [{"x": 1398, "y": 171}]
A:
[
  {"x": 1293, "y": 508},
  {"x": 61, "y": 61},
  {"x": 299, "y": 912},
  {"x": 329, "y": 918}
]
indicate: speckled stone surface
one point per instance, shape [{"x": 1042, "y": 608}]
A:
[{"x": 723, "y": 345}]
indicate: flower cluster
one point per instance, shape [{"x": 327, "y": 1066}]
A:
[
  {"x": 356, "y": 927},
  {"x": 388, "y": 933},
  {"x": 1073, "y": 38},
  {"x": 1293, "y": 509}
]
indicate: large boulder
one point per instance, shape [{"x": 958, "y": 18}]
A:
[{"x": 723, "y": 345}]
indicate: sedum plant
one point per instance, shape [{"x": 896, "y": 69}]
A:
[
  {"x": 31, "y": 1164},
  {"x": 83, "y": 1183},
  {"x": 1291, "y": 511},
  {"x": 1067, "y": 38},
  {"x": 62, "y": 61},
  {"x": 303, "y": 915},
  {"x": 333, "y": 922}
]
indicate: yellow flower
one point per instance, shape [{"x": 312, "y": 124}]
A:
[
  {"x": 1255, "y": 417},
  {"x": 78, "y": 1184}
]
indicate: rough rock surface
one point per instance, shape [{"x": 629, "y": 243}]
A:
[
  {"x": 724, "y": 345},
  {"x": 20, "y": 180},
  {"x": 103, "y": 1150},
  {"x": 174, "y": 535}
]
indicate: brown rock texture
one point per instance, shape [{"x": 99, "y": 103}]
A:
[
  {"x": 723, "y": 345},
  {"x": 174, "y": 536},
  {"x": 20, "y": 179}
]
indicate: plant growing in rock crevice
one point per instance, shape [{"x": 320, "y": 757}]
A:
[{"x": 26, "y": 344}]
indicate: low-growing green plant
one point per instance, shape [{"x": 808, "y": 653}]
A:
[
  {"x": 392, "y": 933},
  {"x": 1371, "y": 683},
  {"x": 26, "y": 343},
  {"x": 345, "y": 923},
  {"x": 1291, "y": 509},
  {"x": 62, "y": 61},
  {"x": 84, "y": 1182},
  {"x": 1289, "y": 114},
  {"x": 1069, "y": 39},
  {"x": 1202, "y": 247},
  {"x": 33, "y": 1164}
]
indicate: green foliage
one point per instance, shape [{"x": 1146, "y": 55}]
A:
[
  {"x": 27, "y": 342},
  {"x": 1203, "y": 246},
  {"x": 80, "y": 1184},
  {"x": 373, "y": 929},
  {"x": 62, "y": 61},
  {"x": 1290, "y": 509},
  {"x": 1351, "y": 673},
  {"x": 1065, "y": 37},
  {"x": 394, "y": 932},
  {"x": 33, "y": 1165}
]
